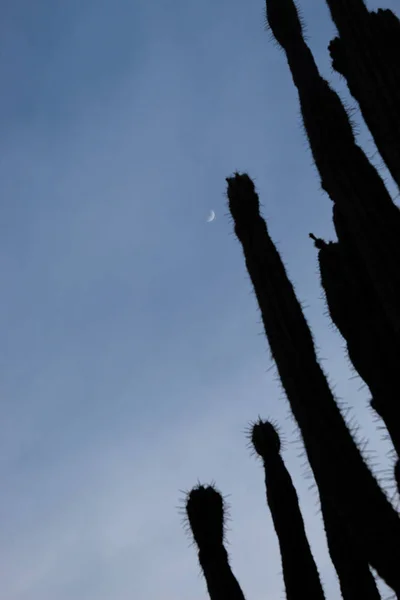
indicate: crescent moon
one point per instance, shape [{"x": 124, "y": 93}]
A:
[{"x": 211, "y": 217}]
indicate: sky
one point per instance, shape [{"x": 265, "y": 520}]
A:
[{"x": 133, "y": 357}]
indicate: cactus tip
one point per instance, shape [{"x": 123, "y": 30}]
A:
[
  {"x": 242, "y": 197},
  {"x": 205, "y": 513},
  {"x": 265, "y": 439}
]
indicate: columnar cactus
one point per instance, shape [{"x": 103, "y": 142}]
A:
[
  {"x": 360, "y": 274},
  {"x": 367, "y": 54},
  {"x": 339, "y": 469},
  {"x": 372, "y": 346},
  {"x": 299, "y": 569},
  {"x": 205, "y": 514},
  {"x": 353, "y": 184},
  {"x": 300, "y": 572}
]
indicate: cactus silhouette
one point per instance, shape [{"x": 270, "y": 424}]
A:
[
  {"x": 339, "y": 469},
  {"x": 353, "y": 184},
  {"x": 205, "y": 514},
  {"x": 360, "y": 275},
  {"x": 372, "y": 346},
  {"x": 367, "y": 54},
  {"x": 299, "y": 569}
]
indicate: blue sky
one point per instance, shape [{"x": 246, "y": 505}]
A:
[{"x": 132, "y": 358}]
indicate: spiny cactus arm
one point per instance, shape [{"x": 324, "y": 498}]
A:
[
  {"x": 344, "y": 13},
  {"x": 205, "y": 514},
  {"x": 300, "y": 572},
  {"x": 373, "y": 78},
  {"x": 338, "y": 467},
  {"x": 372, "y": 36},
  {"x": 387, "y": 407},
  {"x": 299, "y": 569},
  {"x": 373, "y": 346},
  {"x": 357, "y": 314},
  {"x": 348, "y": 557},
  {"x": 339, "y": 291},
  {"x": 346, "y": 175}
]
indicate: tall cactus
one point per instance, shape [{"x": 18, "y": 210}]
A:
[
  {"x": 348, "y": 557},
  {"x": 339, "y": 470},
  {"x": 361, "y": 277},
  {"x": 367, "y": 54},
  {"x": 351, "y": 181},
  {"x": 372, "y": 346}
]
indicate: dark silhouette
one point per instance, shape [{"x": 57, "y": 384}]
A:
[
  {"x": 339, "y": 469},
  {"x": 299, "y": 569},
  {"x": 367, "y": 54},
  {"x": 205, "y": 513},
  {"x": 360, "y": 275},
  {"x": 372, "y": 345}
]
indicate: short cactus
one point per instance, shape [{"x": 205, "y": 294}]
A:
[{"x": 205, "y": 514}]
